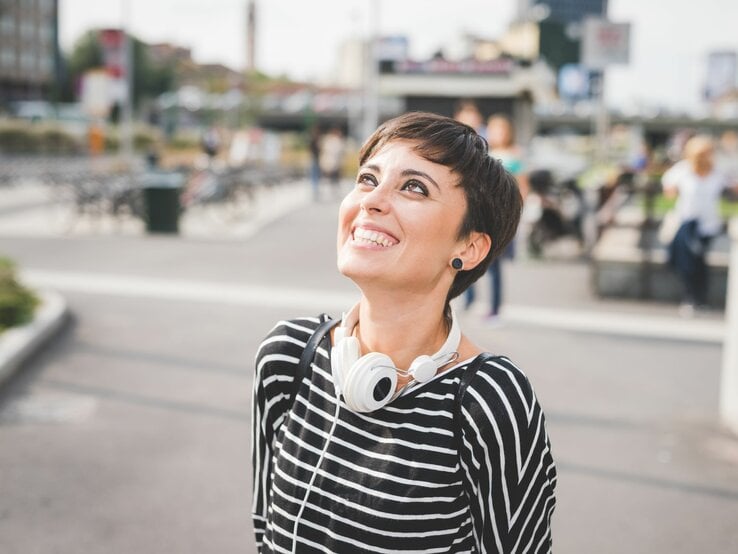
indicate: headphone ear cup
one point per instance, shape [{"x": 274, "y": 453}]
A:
[
  {"x": 370, "y": 383},
  {"x": 343, "y": 355},
  {"x": 423, "y": 368}
]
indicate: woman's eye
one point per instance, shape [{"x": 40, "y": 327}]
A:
[
  {"x": 416, "y": 186},
  {"x": 367, "y": 179}
]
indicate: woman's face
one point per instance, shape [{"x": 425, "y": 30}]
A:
[{"x": 400, "y": 223}]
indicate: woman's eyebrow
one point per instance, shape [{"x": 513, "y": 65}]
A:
[
  {"x": 416, "y": 173},
  {"x": 373, "y": 167}
]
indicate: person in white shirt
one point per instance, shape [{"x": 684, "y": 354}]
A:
[{"x": 697, "y": 184}]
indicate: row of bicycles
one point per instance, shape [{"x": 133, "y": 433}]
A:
[{"x": 95, "y": 189}]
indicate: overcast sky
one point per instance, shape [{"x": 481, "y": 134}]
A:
[{"x": 669, "y": 44}]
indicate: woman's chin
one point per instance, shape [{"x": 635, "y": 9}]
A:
[{"x": 362, "y": 273}]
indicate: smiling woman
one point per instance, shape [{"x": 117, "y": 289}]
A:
[{"x": 403, "y": 435}]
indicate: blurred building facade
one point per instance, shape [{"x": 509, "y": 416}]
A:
[
  {"x": 573, "y": 11},
  {"x": 560, "y": 29},
  {"x": 28, "y": 48}
]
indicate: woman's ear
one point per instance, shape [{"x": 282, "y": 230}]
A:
[{"x": 476, "y": 248}]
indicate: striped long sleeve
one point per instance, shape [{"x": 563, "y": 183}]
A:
[{"x": 396, "y": 480}]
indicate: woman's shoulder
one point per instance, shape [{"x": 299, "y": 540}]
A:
[
  {"x": 499, "y": 387},
  {"x": 289, "y": 336},
  {"x": 497, "y": 367}
]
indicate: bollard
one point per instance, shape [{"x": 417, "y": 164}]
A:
[{"x": 729, "y": 378}]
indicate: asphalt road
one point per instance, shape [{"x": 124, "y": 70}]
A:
[{"x": 130, "y": 432}]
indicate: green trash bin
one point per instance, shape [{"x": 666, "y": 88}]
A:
[{"x": 161, "y": 192}]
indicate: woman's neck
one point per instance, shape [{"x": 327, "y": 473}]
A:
[{"x": 401, "y": 327}]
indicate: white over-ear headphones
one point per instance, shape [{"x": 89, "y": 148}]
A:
[{"x": 368, "y": 382}]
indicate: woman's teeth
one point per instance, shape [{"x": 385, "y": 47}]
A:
[{"x": 372, "y": 237}]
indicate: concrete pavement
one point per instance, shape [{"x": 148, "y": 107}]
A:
[{"x": 130, "y": 433}]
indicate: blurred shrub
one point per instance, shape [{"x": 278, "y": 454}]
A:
[
  {"x": 21, "y": 137},
  {"x": 53, "y": 140},
  {"x": 25, "y": 138},
  {"x": 144, "y": 138},
  {"x": 17, "y": 303},
  {"x": 112, "y": 143},
  {"x": 184, "y": 141},
  {"x": 17, "y": 139}
]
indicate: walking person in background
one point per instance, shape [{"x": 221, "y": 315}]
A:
[
  {"x": 332, "y": 151},
  {"x": 314, "y": 146},
  {"x": 697, "y": 184},
  {"x": 402, "y": 435},
  {"x": 502, "y": 146}
]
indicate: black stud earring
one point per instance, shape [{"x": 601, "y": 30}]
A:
[{"x": 456, "y": 263}]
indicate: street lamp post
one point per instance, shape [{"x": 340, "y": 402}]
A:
[
  {"x": 126, "y": 143},
  {"x": 371, "y": 73}
]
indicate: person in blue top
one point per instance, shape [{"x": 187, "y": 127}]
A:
[{"x": 502, "y": 146}]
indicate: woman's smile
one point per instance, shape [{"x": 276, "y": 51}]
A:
[{"x": 368, "y": 236}]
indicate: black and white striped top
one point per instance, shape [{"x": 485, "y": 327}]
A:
[{"x": 394, "y": 480}]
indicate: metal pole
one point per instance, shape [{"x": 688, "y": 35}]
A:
[
  {"x": 371, "y": 86},
  {"x": 729, "y": 378},
  {"x": 126, "y": 142},
  {"x": 602, "y": 122}
]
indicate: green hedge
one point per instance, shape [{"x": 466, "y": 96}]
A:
[
  {"x": 661, "y": 205},
  {"x": 17, "y": 303},
  {"x": 48, "y": 138},
  {"x": 19, "y": 138}
]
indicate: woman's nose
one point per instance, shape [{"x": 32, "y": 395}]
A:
[{"x": 377, "y": 200}]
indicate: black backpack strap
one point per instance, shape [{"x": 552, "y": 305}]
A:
[
  {"x": 469, "y": 373},
  {"x": 303, "y": 368}
]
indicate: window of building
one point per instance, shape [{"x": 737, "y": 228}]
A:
[
  {"x": 7, "y": 58},
  {"x": 27, "y": 61},
  {"x": 45, "y": 65},
  {"x": 28, "y": 29},
  {"x": 7, "y": 25}
]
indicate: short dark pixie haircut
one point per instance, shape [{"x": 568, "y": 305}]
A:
[{"x": 493, "y": 199}]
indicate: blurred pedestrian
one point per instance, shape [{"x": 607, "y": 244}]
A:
[
  {"x": 697, "y": 184},
  {"x": 315, "y": 161},
  {"x": 467, "y": 112},
  {"x": 210, "y": 143},
  {"x": 381, "y": 445},
  {"x": 502, "y": 146},
  {"x": 96, "y": 138},
  {"x": 332, "y": 151}
]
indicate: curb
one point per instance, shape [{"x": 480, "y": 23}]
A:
[{"x": 19, "y": 343}]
